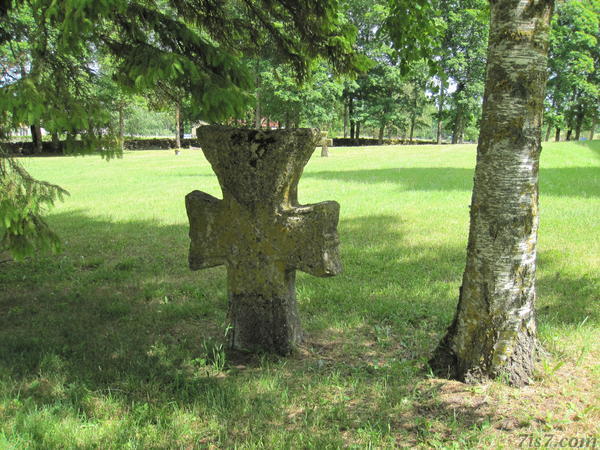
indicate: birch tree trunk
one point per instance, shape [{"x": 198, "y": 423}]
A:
[{"x": 494, "y": 329}]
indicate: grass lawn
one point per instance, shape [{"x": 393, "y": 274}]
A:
[{"x": 115, "y": 343}]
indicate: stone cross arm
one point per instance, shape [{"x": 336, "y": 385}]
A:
[
  {"x": 301, "y": 237},
  {"x": 311, "y": 231},
  {"x": 207, "y": 247}
]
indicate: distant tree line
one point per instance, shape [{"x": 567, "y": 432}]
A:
[
  {"x": 439, "y": 99},
  {"x": 573, "y": 92}
]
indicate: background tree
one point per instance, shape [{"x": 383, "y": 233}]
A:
[
  {"x": 461, "y": 61},
  {"x": 312, "y": 103},
  {"x": 494, "y": 330},
  {"x": 416, "y": 99},
  {"x": 368, "y": 18},
  {"x": 385, "y": 98},
  {"x": 573, "y": 86},
  {"x": 141, "y": 120}
]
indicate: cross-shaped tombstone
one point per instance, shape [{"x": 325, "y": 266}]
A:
[
  {"x": 325, "y": 144},
  {"x": 260, "y": 232}
]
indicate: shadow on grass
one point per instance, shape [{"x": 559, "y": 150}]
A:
[
  {"x": 120, "y": 313},
  {"x": 567, "y": 181},
  {"x": 565, "y": 300},
  {"x": 592, "y": 145}
]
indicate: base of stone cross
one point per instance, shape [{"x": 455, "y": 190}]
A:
[{"x": 265, "y": 323}]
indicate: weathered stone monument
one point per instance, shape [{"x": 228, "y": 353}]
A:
[
  {"x": 325, "y": 144},
  {"x": 260, "y": 232}
]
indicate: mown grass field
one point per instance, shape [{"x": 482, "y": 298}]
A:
[{"x": 116, "y": 344}]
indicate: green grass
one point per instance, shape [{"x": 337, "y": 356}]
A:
[{"x": 116, "y": 344}]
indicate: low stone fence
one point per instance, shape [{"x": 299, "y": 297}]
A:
[
  {"x": 158, "y": 144},
  {"x": 349, "y": 142},
  {"x": 49, "y": 149},
  {"x": 26, "y": 148}
]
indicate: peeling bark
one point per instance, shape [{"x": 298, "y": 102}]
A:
[{"x": 494, "y": 330}]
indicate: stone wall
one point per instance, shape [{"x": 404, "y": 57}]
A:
[
  {"x": 48, "y": 149},
  {"x": 158, "y": 144},
  {"x": 349, "y": 142},
  {"x": 26, "y": 148}
]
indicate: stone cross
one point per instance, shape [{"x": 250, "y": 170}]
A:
[
  {"x": 260, "y": 232},
  {"x": 325, "y": 144}
]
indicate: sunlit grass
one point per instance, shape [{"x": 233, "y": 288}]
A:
[{"x": 115, "y": 343}]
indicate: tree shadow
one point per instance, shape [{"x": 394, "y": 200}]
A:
[
  {"x": 120, "y": 313},
  {"x": 565, "y": 300},
  {"x": 592, "y": 145},
  {"x": 563, "y": 182}
]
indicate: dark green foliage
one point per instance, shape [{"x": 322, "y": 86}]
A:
[
  {"x": 65, "y": 66},
  {"x": 22, "y": 205},
  {"x": 45, "y": 85},
  {"x": 413, "y": 29},
  {"x": 312, "y": 103},
  {"x": 190, "y": 45},
  {"x": 573, "y": 86}
]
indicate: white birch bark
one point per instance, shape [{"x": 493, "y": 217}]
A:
[{"x": 494, "y": 330}]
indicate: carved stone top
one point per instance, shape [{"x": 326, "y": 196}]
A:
[{"x": 258, "y": 167}]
